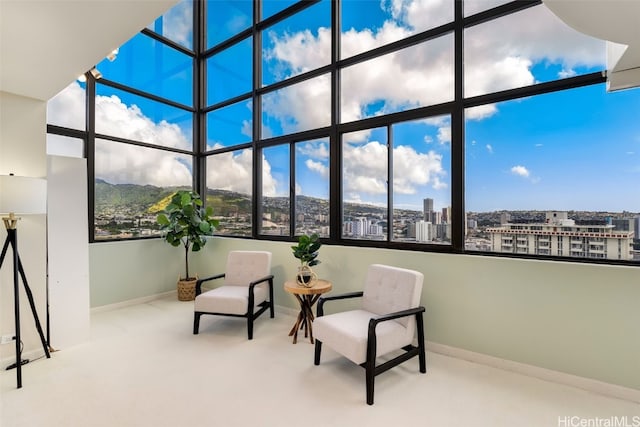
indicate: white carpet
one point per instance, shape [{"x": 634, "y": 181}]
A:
[{"x": 144, "y": 367}]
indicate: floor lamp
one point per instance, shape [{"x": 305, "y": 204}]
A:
[{"x": 22, "y": 196}]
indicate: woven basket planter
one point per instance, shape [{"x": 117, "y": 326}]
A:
[{"x": 187, "y": 289}]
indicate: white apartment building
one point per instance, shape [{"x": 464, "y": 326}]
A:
[{"x": 561, "y": 236}]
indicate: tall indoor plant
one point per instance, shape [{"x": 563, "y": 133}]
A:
[
  {"x": 185, "y": 222},
  {"x": 307, "y": 252}
]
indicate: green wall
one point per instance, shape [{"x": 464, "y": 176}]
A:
[{"x": 581, "y": 319}]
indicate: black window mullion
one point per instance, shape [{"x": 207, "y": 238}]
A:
[
  {"x": 256, "y": 206},
  {"x": 335, "y": 144},
  {"x": 389, "y": 183},
  {"x": 199, "y": 99},
  {"x": 90, "y": 144},
  {"x": 457, "y": 135}
]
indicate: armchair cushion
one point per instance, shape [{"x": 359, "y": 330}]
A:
[
  {"x": 244, "y": 267},
  {"x": 389, "y": 289},
  {"x": 229, "y": 299},
  {"x": 347, "y": 332}
]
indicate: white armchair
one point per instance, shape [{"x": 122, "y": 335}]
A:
[
  {"x": 387, "y": 321},
  {"x": 247, "y": 290}
]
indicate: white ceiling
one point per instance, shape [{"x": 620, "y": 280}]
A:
[
  {"x": 617, "y": 21},
  {"x": 46, "y": 44}
]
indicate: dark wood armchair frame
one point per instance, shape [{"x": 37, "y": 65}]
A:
[
  {"x": 249, "y": 315},
  {"x": 371, "y": 370}
]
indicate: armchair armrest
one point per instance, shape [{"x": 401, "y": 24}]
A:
[
  {"x": 397, "y": 314},
  {"x": 373, "y": 322},
  {"x": 268, "y": 278},
  {"x": 322, "y": 300},
  {"x": 206, "y": 279}
]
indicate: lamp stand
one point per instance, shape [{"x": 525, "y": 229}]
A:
[{"x": 12, "y": 239}]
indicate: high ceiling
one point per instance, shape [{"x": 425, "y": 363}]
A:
[{"x": 46, "y": 44}]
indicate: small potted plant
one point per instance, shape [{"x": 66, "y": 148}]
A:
[
  {"x": 186, "y": 223},
  {"x": 307, "y": 252}
]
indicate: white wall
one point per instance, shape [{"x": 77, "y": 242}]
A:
[
  {"x": 580, "y": 319},
  {"x": 22, "y": 152},
  {"x": 68, "y": 251}
]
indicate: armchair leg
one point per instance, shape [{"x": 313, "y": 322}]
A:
[
  {"x": 196, "y": 323},
  {"x": 250, "y": 327},
  {"x": 421, "y": 344},
  {"x": 370, "y": 379},
  {"x": 318, "y": 349}
]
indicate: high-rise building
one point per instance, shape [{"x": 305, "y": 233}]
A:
[
  {"x": 423, "y": 231},
  {"x": 427, "y": 205},
  {"x": 427, "y": 210},
  {"x": 561, "y": 236}
]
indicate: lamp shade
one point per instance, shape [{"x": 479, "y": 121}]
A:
[{"x": 22, "y": 195}]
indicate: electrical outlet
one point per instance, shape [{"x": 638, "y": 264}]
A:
[{"x": 6, "y": 339}]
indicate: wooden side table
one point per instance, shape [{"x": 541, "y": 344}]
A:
[{"x": 306, "y": 297}]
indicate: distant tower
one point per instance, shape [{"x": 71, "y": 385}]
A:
[{"x": 427, "y": 210}]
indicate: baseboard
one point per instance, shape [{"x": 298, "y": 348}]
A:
[
  {"x": 583, "y": 383},
  {"x": 130, "y": 302}
]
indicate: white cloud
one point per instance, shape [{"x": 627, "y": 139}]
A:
[
  {"x": 420, "y": 14},
  {"x": 489, "y": 148},
  {"x": 498, "y": 56},
  {"x": 113, "y": 117},
  {"x": 178, "y": 23},
  {"x": 365, "y": 170},
  {"x": 520, "y": 170},
  {"x": 68, "y": 108},
  {"x": 232, "y": 171},
  {"x": 314, "y": 150},
  {"x": 317, "y": 167},
  {"x": 122, "y": 163},
  {"x": 444, "y": 134}
]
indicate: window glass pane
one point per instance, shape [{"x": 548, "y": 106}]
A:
[
  {"x": 131, "y": 182},
  {"x": 229, "y": 181},
  {"x": 153, "y": 67},
  {"x": 68, "y": 107},
  {"x": 364, "y": 184},
  {"x": 298, "y": 44},
  {"x": 226, "y": 18},
  {"x": 275, "y": 191},
  {"x": 555, "y": 184},
  {"x": 299, "y": 107},
  {"x": 422, "y": 181},
  {"x": 388, "y": 21},
  {"x": 271, "y": 7},
  {"x": 177, "y": 24},
  {"x": 230, "y": 125},
  {"x": 58, "y": 145},
  {"x": 414, "y": 77},
  {"x": 125, "y": 115},
  {"x": 312, "y": 187},
  {"x": 472, "y": 7},
  {"x": 229, "y": 72},
  {"x": 509, "y": 52}
]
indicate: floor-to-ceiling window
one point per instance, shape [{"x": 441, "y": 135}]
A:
[{"x": 478, "y": 126}]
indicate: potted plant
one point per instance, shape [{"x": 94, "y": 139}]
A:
[
  {"x": 186, "y": 223},
  {"x": 307, "y": 252}
]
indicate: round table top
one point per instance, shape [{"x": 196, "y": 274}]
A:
[{"x": 320, "y": 286}]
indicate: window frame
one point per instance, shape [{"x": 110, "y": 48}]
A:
[{"x": 455, "y": 109}]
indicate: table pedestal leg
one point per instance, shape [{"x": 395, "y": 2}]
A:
[{"x": 305, "y": 317}]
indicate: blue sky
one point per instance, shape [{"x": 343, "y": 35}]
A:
[{"x": 575, "y": 150}]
